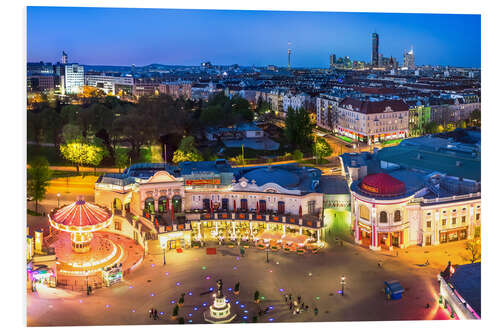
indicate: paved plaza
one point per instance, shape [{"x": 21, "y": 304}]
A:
[{"x": 316, "y": 278}]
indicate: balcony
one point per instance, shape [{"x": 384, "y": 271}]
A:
[{"x": 269, "y": 216}]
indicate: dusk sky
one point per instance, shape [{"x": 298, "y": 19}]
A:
[{"x": 119, "y": 36}]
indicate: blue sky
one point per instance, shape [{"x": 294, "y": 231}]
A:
[{"x": 122, "y": 36}]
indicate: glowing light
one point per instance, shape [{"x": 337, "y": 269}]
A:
[
  {"x": 229, "y": 289},
  {"x": 245, "y": 317},
  {"x": 237, "y": 258},
  {"x": 207, "y": 278},
  {"x": 203, "y": 267},
  {"x": 81, "y": 301},
  {"x": 190, "y": 293},
  {"x": 281, "y": 289},
  {"x": 172, "y": 301},
  {"x": 130, "y": 287},
  {"x": 178, "y": 284},
  {"x": 246, "y": 311},
  {"x": 152, "y": 294},
  {"x": 237, "y": 302},
  {"x": 271, "y": 319},
  {"x": 190, "y": 321},
  {"x": 262, "y": 298},
  {"x": 204, "y": 304},
  {"x": 242, "y": 306},
  {"x": 161, "y": 313},
  {"x": 133, "y": 310},
  {"x": 317, "y": 297},
  {"x": 166, "y": 273},
  {"x": 196, "y": 308},
  {"x": 107, "y": 305},
  {"x": 270, "y": 271},
  {"x": 234, "y": 267},
  {"x": 211, "y": 289},
  {"x": 152, "y": 265},
  {"x": 190, "y": 314}
]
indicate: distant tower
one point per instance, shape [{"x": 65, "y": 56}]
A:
[
  {"x": 289, "y": 55},
  {"x": 375, "y": 60},
  {"x": 333, "y": 61},
  {"x": 64, "y": 58}
]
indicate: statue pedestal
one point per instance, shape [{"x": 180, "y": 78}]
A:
[{"x": 219, "y": 312}]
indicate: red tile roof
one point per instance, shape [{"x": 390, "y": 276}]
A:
[
  {"x": 368, "y": 107},
  {"x": 382, "y": 184}
]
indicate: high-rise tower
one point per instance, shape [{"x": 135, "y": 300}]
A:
[
  {"x": 64, "y": 58},
  {"x": 375, "y": 49},
  {"x": 289, "y": 54}
]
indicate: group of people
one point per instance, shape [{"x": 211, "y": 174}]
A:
[
  {"x": 297, "y": 306},
  {"x": 153, "y": 313}
]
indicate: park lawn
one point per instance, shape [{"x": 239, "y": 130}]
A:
[
  {"x": 339, "y": 225},
  {"x": 392, "y": 142},
  {"x": 344, "y": 138}
]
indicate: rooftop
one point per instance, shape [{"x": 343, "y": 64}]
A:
[{"x": 467, "y": 282}]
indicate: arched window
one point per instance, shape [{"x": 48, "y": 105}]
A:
[
  {"x": 383, "y": 217},
  {"x": 364, "y": 213},
  {"x": 397, "y": 216}
]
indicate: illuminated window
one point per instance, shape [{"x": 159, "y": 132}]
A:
[
  {"x": 118, "y": 225},
  {"x": 463, "y": 219},
  {"x": 429, "y": 224},
  {"x": 454, "y": 220},
  {"x": 364, "y": 212},
  {"x": 478, "y": 216},
  {"x": 443, "y": 222}
]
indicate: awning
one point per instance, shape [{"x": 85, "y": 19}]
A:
[{"x": 270, "y": 235}]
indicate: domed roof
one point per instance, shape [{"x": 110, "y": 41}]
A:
[
  {"x": 382, "y": 184},
  {"x": 80, "y": 214},
  {"x": 278, "y": 176}
]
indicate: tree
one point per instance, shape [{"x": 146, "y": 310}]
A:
[
  {"x": 187, "y": 151},
  {"x": 473, "y": 248},
  {"x": 475, "y": 117},
  {"x": 297, "y": 155},
  {"x": 321, "y": 148},
  {"x": 38, "y": 179},
  {"x": 298, "y": 127},
  {"x": 71, "y": 133},
  {"x": 82, "y": 153},
  {"x": 462, "y": 124},
  {"x": 121, "y": 159}
]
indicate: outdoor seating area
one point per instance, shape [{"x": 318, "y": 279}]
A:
[{"x": 276, "y": 241}]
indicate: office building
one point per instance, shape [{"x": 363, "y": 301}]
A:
[
  {"x": 74, "y": 79},
  {"x": 375, "y": 60}
]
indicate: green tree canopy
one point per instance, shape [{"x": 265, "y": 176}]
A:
[
  {"x": 321, "y": 148},
  {"x": 82, "y": 153},
  {"x": 187, "y": 151},
  {"x": 298, "y": 127},
  {"x": 38, "y": 179}
]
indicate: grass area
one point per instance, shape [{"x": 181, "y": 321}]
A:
[{"x": 344, "y": 138}]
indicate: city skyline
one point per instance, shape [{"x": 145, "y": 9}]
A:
[{"x": 149, "y": 36}]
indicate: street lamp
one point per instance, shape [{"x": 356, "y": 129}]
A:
[
  {"x": 267, "y": 253},
  {"x": 163, "y": 243},
  {"x": 58, "y": 196},
  {"x": 342, "y": 283}
]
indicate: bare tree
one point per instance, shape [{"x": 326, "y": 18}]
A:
[{"x": 473, "y": 248}]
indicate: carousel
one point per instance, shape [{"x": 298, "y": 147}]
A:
[{"x": 82, "y": 250}]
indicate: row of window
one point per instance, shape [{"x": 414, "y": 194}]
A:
[
  {"x": 364, "y": 213},
  {"x": 453, "y": 221}
]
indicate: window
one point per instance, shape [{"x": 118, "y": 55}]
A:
[
  {"x": 397, "y": 216},
  {"x": 443, "y": 222},
  {"x": 383, "y": 217},
  {"x": 478, "y": 216},
  {"x": 364, "y": 212},
  {"x": 244, "y": 204},
  {"x": 118, "y": 225},
  {"x": 454, "y": 221},
  {"x": 429, "y": 224},
  {"x": 463, "y": 219},
  {"x": 311, "y": 205}
]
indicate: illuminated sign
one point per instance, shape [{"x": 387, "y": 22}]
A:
[
  {"x": 337, "y": 201},
  {"x": 203, "y": 181},
  {"x": 369, "y": 188}
]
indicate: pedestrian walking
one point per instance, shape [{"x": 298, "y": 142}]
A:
[
  {"x": 298, "y": 299},
  {"x": 150, "y": 312},
  {"x": 302, "y": 305},
  {"x": 156, "y": 314},
  {"x": 286, "y": 298},
  {"x": 291, "y": 306}
]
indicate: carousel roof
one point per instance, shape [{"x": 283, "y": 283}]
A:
[{"x": 81, "y": 214}]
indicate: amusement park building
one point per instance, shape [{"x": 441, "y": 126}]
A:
[
  {"x": 425, "y": 191},
  {"x": 209, "y": 200}
]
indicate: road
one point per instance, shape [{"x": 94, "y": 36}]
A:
[{"x": 314, "y": 277}]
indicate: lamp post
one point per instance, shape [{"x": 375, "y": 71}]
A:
[
  {"x": 163, "y": 243},
  {"x": 58, "y": 196},
  {"x": 342, "y": 283},
  {"x": 267, "y": 253}
]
